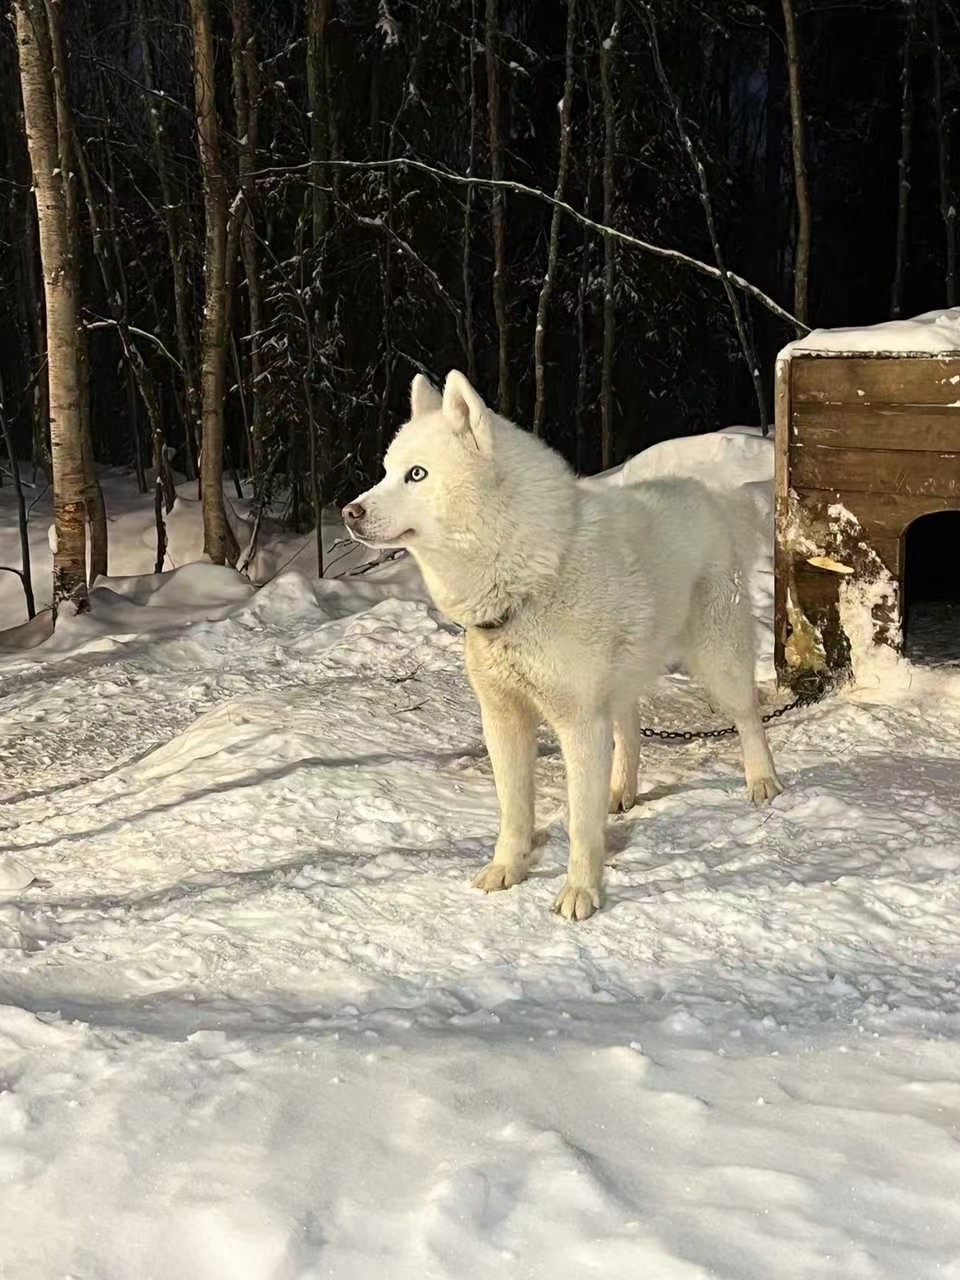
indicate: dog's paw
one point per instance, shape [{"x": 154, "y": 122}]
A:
[
  {"x": 621, "y": 800},
  {"x": 575, "y": 902},
  {"x": 499, "y": 875},
  {"x": 763, "y": 790}
]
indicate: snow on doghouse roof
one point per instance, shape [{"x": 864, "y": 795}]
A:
[{"x": 935, "y": 333}]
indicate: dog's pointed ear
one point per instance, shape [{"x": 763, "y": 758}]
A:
[
  {"x": 424, "y": 396},
  {"x": 465, "y": 411}
]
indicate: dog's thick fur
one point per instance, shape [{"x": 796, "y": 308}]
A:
[{"x": 574, "y": 596}]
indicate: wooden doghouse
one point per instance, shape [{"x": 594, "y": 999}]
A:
[{"x": 866, "y": 443}]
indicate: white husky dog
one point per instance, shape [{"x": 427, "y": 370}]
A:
[{"x": 575, "y": 596}]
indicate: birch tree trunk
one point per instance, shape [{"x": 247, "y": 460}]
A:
[
  {"x": 546, "y": 289},
  {"x": 60, "y": 296},
  {"x": 801, "y": 259},
  {"x": 491, "y": 41},
  {"x": 219, "y": 544},
  {"x": 69, "y": 157}
]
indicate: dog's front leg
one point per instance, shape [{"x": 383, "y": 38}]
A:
[
  {"x": 510, "y": 732},
  {"x": 587, "y": 750}
]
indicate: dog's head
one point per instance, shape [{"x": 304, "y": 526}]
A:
[{"x": 436, "y": 471}]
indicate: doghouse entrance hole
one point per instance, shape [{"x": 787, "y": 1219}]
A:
[{"x": 931, "y": 589}]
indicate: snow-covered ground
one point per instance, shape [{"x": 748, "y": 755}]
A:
[{"x": 255, "y": 1025}]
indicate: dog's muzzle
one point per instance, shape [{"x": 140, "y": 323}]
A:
[{"x": 354, "y": 514}]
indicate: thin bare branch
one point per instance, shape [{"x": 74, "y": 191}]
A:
[
  {"x": 522, "y": 188},
  {"x": 139, "y": 333}
]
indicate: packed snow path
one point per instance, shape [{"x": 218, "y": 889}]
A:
[{"x": 255, "y": 1023}]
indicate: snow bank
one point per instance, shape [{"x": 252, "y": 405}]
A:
[
  {"x": 934, "y": 333},
  {"x": 723, "y": 459},
  {"x": 196, "y": 584}
]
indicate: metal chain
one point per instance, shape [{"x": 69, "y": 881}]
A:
[{"x": 803, "y": 699}]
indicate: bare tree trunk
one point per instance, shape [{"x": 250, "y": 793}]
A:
[
  {"x": 133, "y": 416},
  {"x": 317, "y": 18},
  {"x": 242, "y": 396},
  {"x": 775, "y": 121},
  {"x": 491, "y": 41},
  {"x": 607, "y": 50},
  {"x": 219, "y": 542},
  {"x": 801, "y": 259},
  {"x": 93, "y": 495},
  {"x": 246, "y": 95},
  {"x": 903, "y": 164},
  {"x": 546, "y": 288},
  {"x": 60, "y": 294},
  {"x": 386, "y": 335},
  {"x": 159, "y": 522},
  {"x": 316, "y": 492},
  {"x": 948, "y": 210},
  {"x": 468, "y": 198},
  {"x": 69, "y": 155},
  {"x": 25, "y": 295},
  {"x": 385, "y": 255},
  {"x": 26, "y": 580},
  {"x": 29, "y": 299},
  {"x": 30, "y": 256},
  {"x": 176, "y": 250},
  {"x": 583, "y": 289},
  {"x": 323, "y": 194}
]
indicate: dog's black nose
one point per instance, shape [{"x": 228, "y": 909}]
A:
[{"x": 353, "y": 512}]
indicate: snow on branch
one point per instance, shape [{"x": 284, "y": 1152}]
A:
[
  {"x": 522, "y": 188},
  {"x": 140, "y": 333}
]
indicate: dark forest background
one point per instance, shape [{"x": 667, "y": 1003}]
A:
[{"x": 362, "y": 276}]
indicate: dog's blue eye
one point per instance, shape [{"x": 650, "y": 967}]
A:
[{"x": 415, "y": 474}]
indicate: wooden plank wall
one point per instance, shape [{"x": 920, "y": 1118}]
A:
[{"x": 879, "y": 434}]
